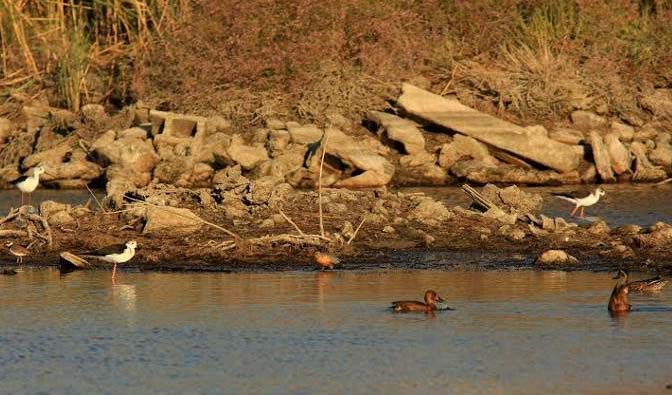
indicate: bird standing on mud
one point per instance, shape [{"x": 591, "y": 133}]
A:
[
  {"x": 325, "y": 261},
  {"x": 583, "y": 202},
  {"x": 27, "y": 184},
  {"x": 18, "y": 251},
  {"x": 618, "y": 301}
]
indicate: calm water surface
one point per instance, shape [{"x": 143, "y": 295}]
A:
[{"x": 516, "y": 332}]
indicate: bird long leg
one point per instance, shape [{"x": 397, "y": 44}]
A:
[
  {"x": 583, "y": 214},
  {"x": 574, "y": 211},
  {"x": 114, "y": 273},
  {"x": 30, "y": 198},
  {"x": 21, "y": 198}
]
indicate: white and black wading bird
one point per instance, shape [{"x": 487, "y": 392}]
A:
[
  {"x": 27, "y": 184},
  {"x": 116, "y": 254},
  {"x": 583, "y": 202}
]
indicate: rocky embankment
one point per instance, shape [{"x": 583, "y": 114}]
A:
[
  {"x": 265, "y": 224},
  {"x": 425, "y": 139}
]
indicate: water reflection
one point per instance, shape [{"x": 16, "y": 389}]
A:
[{"x": 519, "y": 332}]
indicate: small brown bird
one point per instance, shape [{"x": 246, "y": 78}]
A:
[
  {"x": 618, "y": 302},
  {"x": 18, "y": 251},
  {"x": 429, "y": 306},
  {"x": 325, "y": 261}
]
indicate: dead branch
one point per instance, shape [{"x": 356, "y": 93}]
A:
[
  {"x": 12, "y": 214},
  {"x": 13, "y": 233},
  {"x": 290, "y": 221},
  {"x": 356, "y": 230},
  {"x": 319, "y": 184}
]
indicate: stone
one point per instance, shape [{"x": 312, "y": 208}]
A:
[
  {"x": 133, "y": 133},
  {"x": 555, "y": 257},
  {"x": 260, "y": 191},
  {"x": 61, "y": 218},
  {"x": 452, "y": 114},
  {"x": 214, "y": 150},
  {"x": 172, "y": 220},
  {"x": 6, "y": 129},
  {"x": 388, "y": 229},
  {"x": 305, "y": 134},
  {"x": 659, "y": 103},
  {"x": 645, "y": 171},
  {"x": 429, "y": 212},
  {"x": 513, "y": 199},
  {"x": 267, "y": 223},
  {"x": 278, "y": 140},
  {"x": 131, "y": 156},
  {"x": 274, "y": 124},
  {"x": 619, "y": 155},
  {"x": 246, "y": 156},
  {"x": 601, "y": 157},
  {"x": 464, "y": 147},
  {"x": 623, "y": 131},
  {"x": 536, "y": 130},
  {"x": 94, "y": 113},
  {"x": 400, "y": 130},
  {"x": 338, "y": 120},
  {"x": 49, "y": 207},
  {"x": 567, "y": 136},
  {"x": 587, "y": 121},
  {"x": 217, "y": 123},
  {"x": 662, "y": 154},
  {"x": 599, "y": 228}
]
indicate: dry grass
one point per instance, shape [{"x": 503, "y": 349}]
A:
[
  {"x": 58, "y": 42},
  {"x": 527, "y": 59}
]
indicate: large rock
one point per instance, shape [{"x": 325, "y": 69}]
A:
[
  {"x": 401, "y": 130},
  {"x": 623, "y": 131},
  {"x": 513, "y": 199},
  {"x": 420, "y": 169},
  {"x": 247, "y": 156},
  {"x": 305, "y": 134},
  {"x": 363, "y": 157},
  {"x": 601, "y": 157},
  {"x": 567, "y": 136},
  {"x": 481, "y": 173},
  {"x": 128, "y": 155},
  {"x": 619, "y": 155},
  {"x": 644, "y": 170},
  {"x": 429, "y": 212},
  {"x": 662, "y": 154},
  {"x": 587, "y": 121},
  {"x": 555, "y": 257},
  {"x": 172, "y": 220},
  {"x": 452, "y": 114},
  {"x": 659, "y": 102},
  {"x": 464, "y": 147}
]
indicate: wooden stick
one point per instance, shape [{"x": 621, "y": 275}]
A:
[
  {"x": 100, "y": 206},
  {"x": 356, "y": 230},
  {"x": 290, "y": 221},
  {"x": 663, "y": 182},
  {"x": 319, "y": 184}
]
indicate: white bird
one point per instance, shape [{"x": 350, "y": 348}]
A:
[
  {"x": 27, "y": 184},
  {"x": 583, "y": 202},
  {"x": 113, "y": 255}
]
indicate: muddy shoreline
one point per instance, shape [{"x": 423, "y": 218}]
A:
[{"x": 257, "y": 226}]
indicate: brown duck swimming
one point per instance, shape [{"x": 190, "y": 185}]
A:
[
  {"x": 618, "y": 302},
  {"x": 432, "y": 303},
  {"x": 653, "y": 284}
]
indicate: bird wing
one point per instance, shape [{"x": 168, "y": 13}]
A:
[
  {"x": 107, "y": 250},
  {"x": 19, "y": 180}
]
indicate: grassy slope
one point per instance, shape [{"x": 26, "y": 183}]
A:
[{"x": 527, "y": 60}]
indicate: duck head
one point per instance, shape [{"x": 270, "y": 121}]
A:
[{"x": 432, "y": 297}]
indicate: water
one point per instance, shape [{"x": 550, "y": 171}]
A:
[{"x": 516, "y": 332}]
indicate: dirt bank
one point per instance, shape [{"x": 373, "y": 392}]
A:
[{"x": 256, "y": 226}]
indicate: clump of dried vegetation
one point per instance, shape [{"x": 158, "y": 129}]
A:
[{"x": 525, "y": 59}]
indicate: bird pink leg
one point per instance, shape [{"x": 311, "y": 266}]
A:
[
  {"x": 21, "y": 198},
  {"x": 583, "y": 215},
  {"x": 574, "y": 211},
  {"x": 30, "y": 198},
  {"x": 114, "y": 273}
]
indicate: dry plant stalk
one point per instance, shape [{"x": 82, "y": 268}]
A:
[
  {"x": 319, "y": 184},
  {"x": 290, "y": 221},
  {"x": 356, "y": 230}
]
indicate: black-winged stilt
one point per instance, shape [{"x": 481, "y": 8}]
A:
[{"x": 583, "y": 202}]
